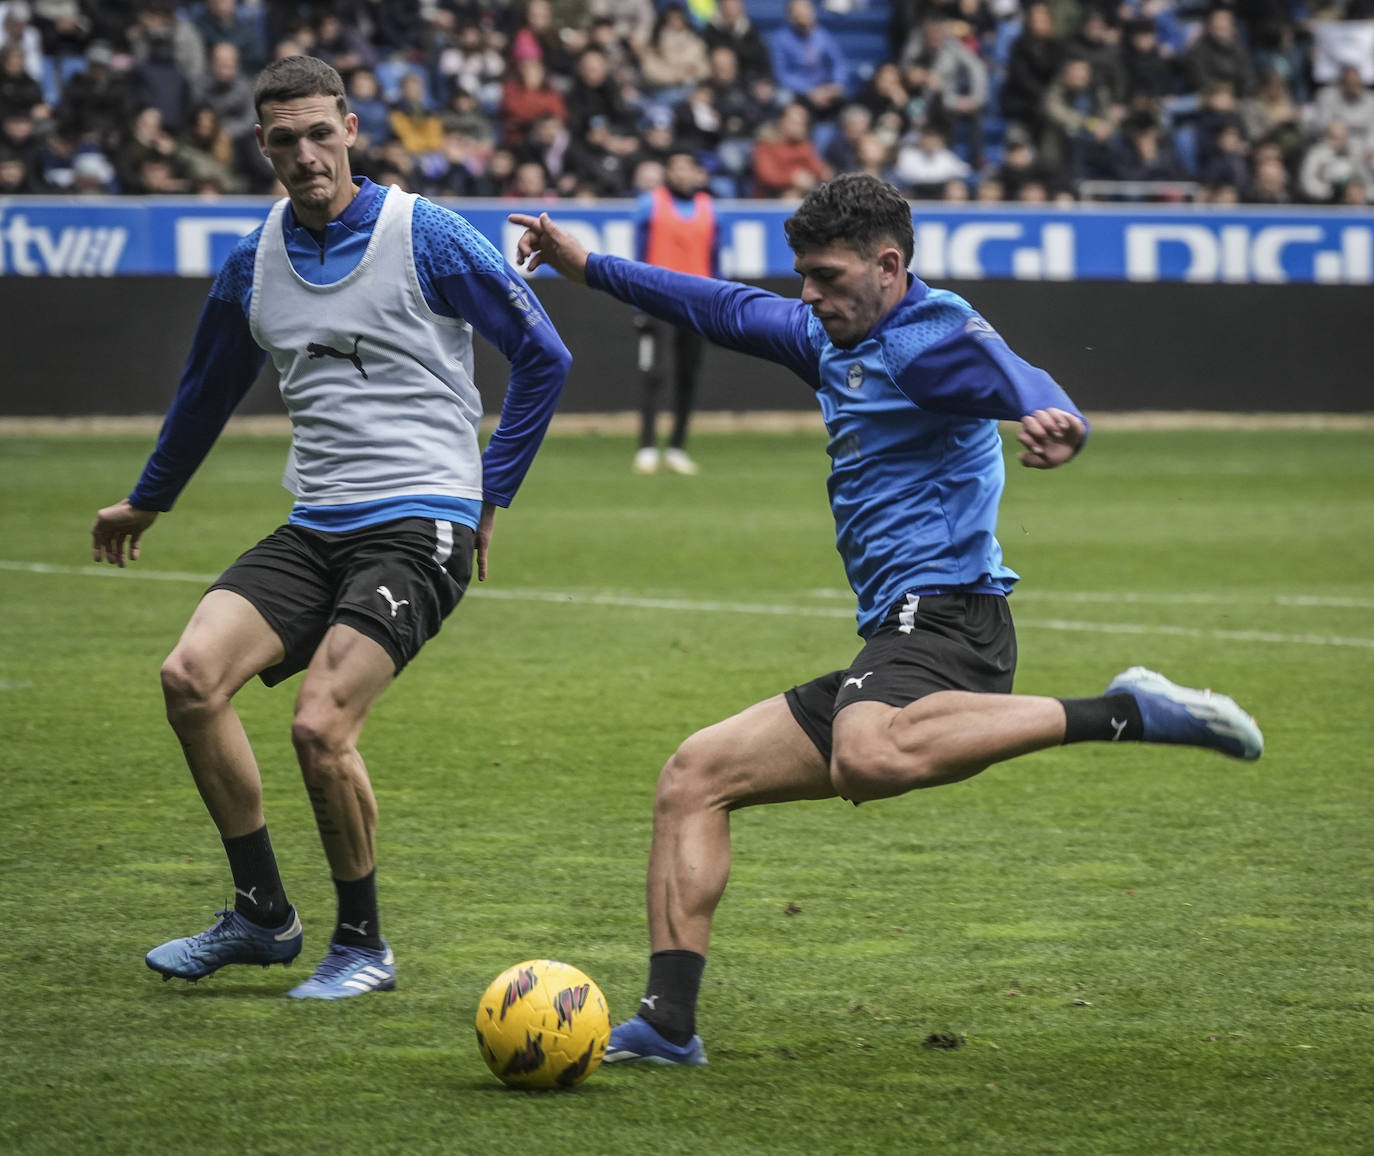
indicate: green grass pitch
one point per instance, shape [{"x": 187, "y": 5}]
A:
[{"x": 1131, "y": 950}]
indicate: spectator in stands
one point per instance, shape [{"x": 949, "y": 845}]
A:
[
  {"x": 396, "y": 25},
  {"x": 697, "y": 123},
  {"x": 147, "y": 158},
  {"x": 1270, "y": 184},
  {"x": 730, "y": 27},
  {"x": 1150, "y": 74},
  {"x": 63, "y": 28},
  {"x": 786, "y": 163},
  {"x": 1080, "y": 120},
  {"x": 18, "y": 175},
  {"x": 1331, "y": 165},
  {"x": 1219, "y": 55},
  {"x": 97, "y": 103},
  {"x": 990, "y": 191},
  {"x": 19, "y": 90},
  {"x": 342, "y": 46},
  {"x": 958, "y": 84},
  {"x": 17, "y": 31},
  {"x": 473, "y": 64},
  {"x": 366, "y": 103},
  {"x": 851, "y": 126},
  {"x": 531, "y": 184},
  {"x": 1141, "y": 153},
  {"x": 464, "y": 114},
  {"x": 1036, "y": 57},
  {"x": 205, "y": 153},
  {"x": 1219, "y": 111},
  {"x": 539, "y": 37},
  {"x": 675, "y": 57},
  {"x": 226, "y": 90},
  {"x": 413, "y": 122},
  {"x": 547, "y": 144},
  {"x": 632, "y": 20},
  {"x": 92, "y": 175},
  {"x": 164, "y": 36},
  {"x": 656, "y": 140},
  {"x": 1271, "y": 115},
  {"x": 892, "y": 107},
  {"x": 224, "y": 21},
  {"x": 1098, "y": 41},
  {"x": 808, "y": 61},
  {"x": 1228, "y": 166},
  {"x": 595, "y": 92},
  {"x": 1348, "y": 101},
  {"x": 874, "y": 156},
  {"x": 1021, "y": 166},
  {"x": 926, "y": 163},
  {"x": 621, "y": 58},
  {"x": 525, "y": 97},
  {"x": 744, "y": 107},
  {"x": 598, "y": 160}
]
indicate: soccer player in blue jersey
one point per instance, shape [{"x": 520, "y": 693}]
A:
[
  {"x": 911, "y": 382},
  {"x": 366, "y": 299}
]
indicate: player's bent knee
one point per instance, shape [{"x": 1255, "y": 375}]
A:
[
  {"x": 690, "y": 779},
  {"x": 189, "y": 686},
  {"x": 862, "y": 773},
  {"x": 318, "y": 741}
]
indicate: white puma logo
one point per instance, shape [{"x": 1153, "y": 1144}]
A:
[
  {"x": 361, "y": 929},
  {"x": 1118, "y": 727},
  {"x": 250, "y": 894},
  {"x": 649, "y": 1001},
  {"x": 395, "y": 606},
  {"x": 852, "y": 681}
]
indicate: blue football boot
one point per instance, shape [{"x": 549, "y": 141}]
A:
[
  {"x": 1195, "y": 718},
  {"x": 348, "y": 971},
  {"x": 637, "y": 1040},
  {"x": 233, "y": 939}
]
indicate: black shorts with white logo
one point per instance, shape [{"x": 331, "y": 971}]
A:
[
  {"x": 395, "y": 582},
  {"x": 926, "y": 644}
]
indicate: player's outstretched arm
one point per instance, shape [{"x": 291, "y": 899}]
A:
[
  {"x": 1051, "y": 438},
  {"x": 544, "y": 243},
  {"x": 114, "y": 526}
]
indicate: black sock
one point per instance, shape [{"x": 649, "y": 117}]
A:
[
  {"x": 670, "y": 998},
  {"x": 358, "y": 925},
  {"x": 258, "y": 893},
  {"x": 1109, "y": 719}
]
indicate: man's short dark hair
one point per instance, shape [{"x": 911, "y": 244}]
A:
[
  {"x": 857, "y": 210},
  {"x": 296, "y": 77}
]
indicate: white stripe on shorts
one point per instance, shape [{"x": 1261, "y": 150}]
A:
[
  {"x": 907, "y": 617},
  {"x": 443, "y": 541}
]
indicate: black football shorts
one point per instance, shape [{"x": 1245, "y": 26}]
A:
[
  {"x": 395, "y": 582},
  {"x": 927, "y": 643}
]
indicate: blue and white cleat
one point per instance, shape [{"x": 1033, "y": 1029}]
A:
[
  {"x": 348, "y": 971},
  {"x": 233, "y": 939},
  {"x": 636, "y": 1040},
  {"x": 1196, "y": 718}
]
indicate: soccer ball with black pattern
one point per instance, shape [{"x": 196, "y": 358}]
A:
[{"x": 543, "y": 1024}]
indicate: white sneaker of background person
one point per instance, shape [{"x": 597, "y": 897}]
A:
[
  {"x": 646, "y": 460},
  {"x": 678, "y": 461}
]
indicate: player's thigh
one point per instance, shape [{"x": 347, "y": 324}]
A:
[
  {"x": 348, "y": 673},
  {"x": 760, "y": 755},
  {"x": 226, "y": 642}
]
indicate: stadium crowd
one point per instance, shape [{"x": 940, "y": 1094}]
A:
[{"x": 1257, "y": 101}]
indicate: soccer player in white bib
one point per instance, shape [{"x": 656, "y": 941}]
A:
[
  {"x": 911, "y": 383},
  {"x": 366, "y": 299}
]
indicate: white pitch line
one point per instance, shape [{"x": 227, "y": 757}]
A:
[{"x": 784, "y": 609}]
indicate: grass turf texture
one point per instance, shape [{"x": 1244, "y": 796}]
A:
[{"x": 1125, "y": 950}]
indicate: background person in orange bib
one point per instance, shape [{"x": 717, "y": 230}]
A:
[{"x": 676, "y": 229}]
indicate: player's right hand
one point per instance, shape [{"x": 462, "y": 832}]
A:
[
  {"x": 114, "y": 527},
  {"x": 544, "y": 243}
]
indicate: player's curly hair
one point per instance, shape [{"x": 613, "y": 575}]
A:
[
  {"x": 856, "y": 209},
  {"x": 295, "y": 77}
]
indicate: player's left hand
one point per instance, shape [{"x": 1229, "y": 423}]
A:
[
  {"x": 485, "y": 526},
  {"x": 1051, "y": 438},
  {"x": 114, "y": 527}
]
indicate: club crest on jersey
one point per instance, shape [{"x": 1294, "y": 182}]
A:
[
  {"x": 855, "y": 376},
  {"x": 570, "y": 1001},
  {"x": 524, "y": 982},
  {"x": 980, "y": 329},
  {"x": 519, "y": 296}
]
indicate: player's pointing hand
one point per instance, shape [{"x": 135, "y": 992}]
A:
[
  {"x": 544, "y": 243},
  {"x": 1051, "y": 438}
]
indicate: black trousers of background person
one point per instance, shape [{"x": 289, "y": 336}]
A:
[{"x": 653, "y": 357}]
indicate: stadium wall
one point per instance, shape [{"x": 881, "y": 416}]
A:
[{"x": 86, "y": 345}]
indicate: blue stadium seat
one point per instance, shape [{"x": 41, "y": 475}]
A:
[{"x": 50, "y": 81}]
